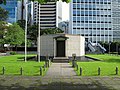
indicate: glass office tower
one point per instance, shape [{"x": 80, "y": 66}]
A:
[
  {"x": 95, "y": 19},
  {"x": 11, "y": 6}
]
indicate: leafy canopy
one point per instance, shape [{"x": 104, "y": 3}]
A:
[
  {"x": 3, "y": 14},
  {"x": 45, "y": 1},
  {"x": 3, "y": 28},
  {"x": 14, "y": 35}
]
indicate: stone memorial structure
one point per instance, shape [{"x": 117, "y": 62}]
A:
[{"x": 62, "y": 45}]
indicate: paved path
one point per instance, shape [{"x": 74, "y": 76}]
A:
[
  {"x": 66, "y": 83},
  {"x": 60, "y": 70},
  {"x": 60, "y": 76}
]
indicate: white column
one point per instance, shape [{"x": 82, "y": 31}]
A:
[
  {"x": 39, "y": 36},
  {"x": 54, "y": 48},
  {"x": 26, "y": 34}
]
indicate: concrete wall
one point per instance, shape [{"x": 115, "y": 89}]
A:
[
  {"x": 74, "y": 45},
  {"x": 47, "y": 46}
]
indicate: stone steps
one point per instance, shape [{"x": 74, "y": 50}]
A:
[{"x": 60, "y": 60}]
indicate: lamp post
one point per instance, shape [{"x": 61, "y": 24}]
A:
[
  {"x": 26, "y": 19},
  {"x": 39, "y": 36}
]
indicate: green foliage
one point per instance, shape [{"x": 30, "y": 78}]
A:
[
  {"x": 14, "y": 35},
  {"x": 33, "y": 32},
  {"x": 3, "y": 14},
  {"x": 13, "y": 53},
  {"x": 21, "y": 23},
  {"x": 3, "y": 2},
  {"x": 51, "y": 31},
  {"x": 3, "y": 28}
]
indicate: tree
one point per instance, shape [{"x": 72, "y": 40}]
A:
[
  {"x": 3, "y": 28},
  {"x": 51, "y": 31},
  {"x": 3, "y": 14},
  {"x": 2, "y": 1},
  {"x": 21, "y": 23},
  {"x": 14, "y": 35},
  {"x": 33, "y": 32}
]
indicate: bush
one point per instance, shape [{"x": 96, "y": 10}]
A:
[{"x": 12, "y": 53}]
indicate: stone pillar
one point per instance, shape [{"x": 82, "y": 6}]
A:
[{"x": 54, "y": 48}]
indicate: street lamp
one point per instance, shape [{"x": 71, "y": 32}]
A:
[
  {"x": 26, "y": 19},
  {"x": 39, "y": 36}
]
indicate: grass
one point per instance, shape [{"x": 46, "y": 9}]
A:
[
  {"x": 107, "y": 64},
  {"x": 106, "y": 57},
  {"x": 13, "y": 64}
]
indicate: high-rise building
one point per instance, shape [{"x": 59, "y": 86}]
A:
[
  {"x": 21, "y": 11},
  {"x": 50, "y": 14},
  {"x": 11, "y": 7},
  {"x": 96, "y": 20},
  {"x": 116, "y": 19}
]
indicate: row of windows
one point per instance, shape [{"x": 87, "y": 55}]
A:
[
  {"x": 92, "y": 25},
  {"x": 100, "y": 12},
  {"x": 96, "y": 15},
  {"x": 102, "y": 19},
  {"x": 90, "y": 22},
  {"x": 93, "y": 28},
  {"x": 86, "y": 34},
  {"x": 91, "y": 6},
  {"x": 95, "y": 2},
  {"x": 45, "y": 19},
  {"x": 92, "y": 9}
]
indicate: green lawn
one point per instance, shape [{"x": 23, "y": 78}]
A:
[
  {"x": 105, "y": 57},
  {"x": 13, "y": 64},
  {"x": 107, "y": 64}
]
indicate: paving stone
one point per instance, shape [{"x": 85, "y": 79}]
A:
[
  {"x": 74, "y": 88},
  {"x": 60, "y": 76},
  {"x": 110, "y": 82},
  {"x": 116, "y": 87}
]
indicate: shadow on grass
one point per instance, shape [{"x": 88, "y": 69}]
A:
[
  {"x": 55, "y": 86},
  {"x": 112, "y": 60},
  {"x": 29, "y": 58}
]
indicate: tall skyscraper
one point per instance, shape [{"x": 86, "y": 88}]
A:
[
  {"x": 116, "y": 19},
  {"x": 11, "y": 7},
  {"x": 97, "y": 20},
  {"x": 22, "y": 10},
  {"x": 50, "y": 14}
]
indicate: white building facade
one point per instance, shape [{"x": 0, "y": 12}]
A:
[
  {"x": 96, "y": 20},
  {"x": 62, "y": 45},
  {"x": 50, "y": 14}
]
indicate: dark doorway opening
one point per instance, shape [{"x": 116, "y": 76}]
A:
[{"x": 60, "y": 48}]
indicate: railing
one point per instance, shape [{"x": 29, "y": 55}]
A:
[
  {"x": 101, "y": 47},
  {"x": 91, "y": 47}
]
